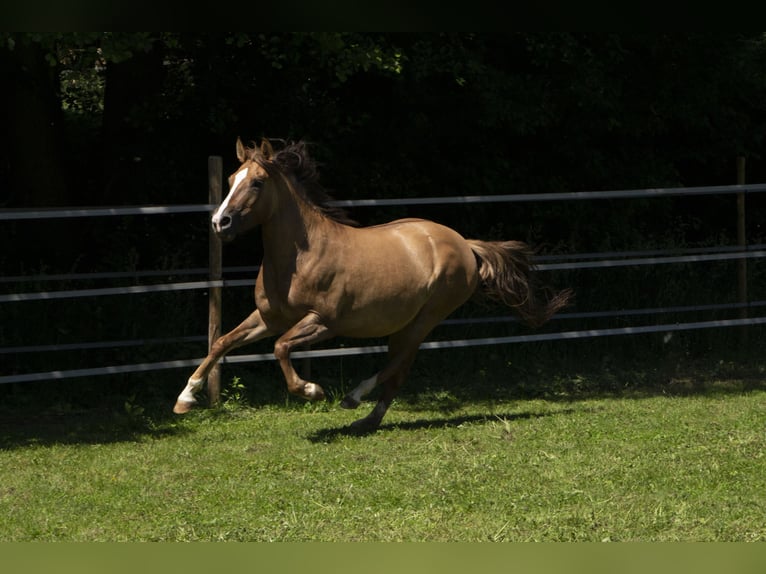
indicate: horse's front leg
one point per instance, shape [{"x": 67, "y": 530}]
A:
[
  {"x": 308, "y": 330},
  {"x": 250, "y": 330}
]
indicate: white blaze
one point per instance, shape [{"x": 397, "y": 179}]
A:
[{"x": 241, "y": 175}]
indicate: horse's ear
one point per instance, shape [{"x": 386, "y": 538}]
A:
[
  {"x": 266, "y": 150},
  {"x": 241, "y": 153}
]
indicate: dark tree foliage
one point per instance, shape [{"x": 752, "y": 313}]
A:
[
  {"x": 129, "y": 118},
  {"x": 424, "y": 113}
]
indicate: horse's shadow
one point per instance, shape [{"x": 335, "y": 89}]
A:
[{"x": 328, "y": 435}]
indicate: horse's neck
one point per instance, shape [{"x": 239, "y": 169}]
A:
[{"x": 294, "y": 229}]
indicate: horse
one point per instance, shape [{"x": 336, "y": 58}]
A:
[{"x": 323, "y": 276}]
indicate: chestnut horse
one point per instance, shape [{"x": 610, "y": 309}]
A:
[{"x": 322, "y": 276}]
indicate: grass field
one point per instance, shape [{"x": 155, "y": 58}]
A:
[{"x": 647, "y": 466}]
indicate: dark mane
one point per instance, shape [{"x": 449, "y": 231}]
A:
[{"x": 293, "y": 159}]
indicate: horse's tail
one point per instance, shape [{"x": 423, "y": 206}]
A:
[{"x": 508, "y": 275}]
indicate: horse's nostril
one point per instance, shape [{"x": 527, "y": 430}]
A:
[{"x": 225, "y": 222}]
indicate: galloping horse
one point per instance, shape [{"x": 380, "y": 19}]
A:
[{"x": 322, "y": 276}]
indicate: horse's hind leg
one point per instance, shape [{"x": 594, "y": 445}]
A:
[
  {"x": 354, "y": 398},
  {"x": 392, "y": 377},
  {"x": 402, "y": 348},
  {"x": 249, "y": 331}
]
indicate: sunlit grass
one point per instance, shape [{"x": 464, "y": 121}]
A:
[{"x": 652, "y": 468}]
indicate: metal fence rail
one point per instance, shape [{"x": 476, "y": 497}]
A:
[
  {"x": 373, "y": 349},
  {"x": 545, "y": 263}
]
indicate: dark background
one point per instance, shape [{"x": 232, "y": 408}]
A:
[{"x": 94, "y": 119}]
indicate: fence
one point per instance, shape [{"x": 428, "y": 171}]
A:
[{"x": 215, "y": 281}]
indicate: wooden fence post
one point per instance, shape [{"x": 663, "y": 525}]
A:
[
  {"x": 742, "y": 243},
  {"x": 215, "y": 196}
]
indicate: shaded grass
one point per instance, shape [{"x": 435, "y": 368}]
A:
[{"x": 655, "y": 465}]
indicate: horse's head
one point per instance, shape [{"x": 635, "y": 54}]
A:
[{"x": 243, "y": 207}]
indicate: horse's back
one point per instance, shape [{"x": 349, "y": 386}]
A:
[
  {"x": 398, "y": 222},
  {"x": 422, "y": 238},
  {"x": 418, "y": 250}
]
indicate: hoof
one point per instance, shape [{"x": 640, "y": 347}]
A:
[
  {"x": 364, "y": 426},
  {"x": 349, "y": 402},
  {"x": 182, "y": 407},
  {"x": 313, "y": 392}
]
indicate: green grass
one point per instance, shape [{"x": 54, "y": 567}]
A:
[{"x": 649, "y": 466}]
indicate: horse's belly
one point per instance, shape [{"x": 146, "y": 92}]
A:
[{"x": 378, "y": 319}]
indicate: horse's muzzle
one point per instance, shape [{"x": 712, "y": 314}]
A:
[{"x": 225, "y": 225}]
